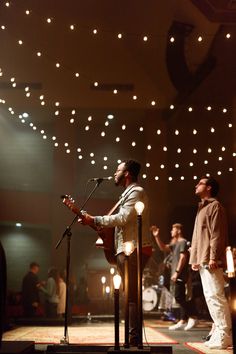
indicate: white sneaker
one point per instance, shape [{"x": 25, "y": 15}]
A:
[
  {"x": 178, "y": 325},
  {"x": 213, "y": 338},
  {"x": 191, "y": 323},
  {"x": 222, "y": 341}
]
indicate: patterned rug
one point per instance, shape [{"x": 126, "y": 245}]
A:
[
  {"x": 89, "y": 334},
  {"x": 201, "y": 348}
]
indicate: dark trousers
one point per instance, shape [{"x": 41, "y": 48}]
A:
[
  {"x": 187, "y": 308},
  {"x": 133, "y": 287},
  {"x": 51, "y": 309}
]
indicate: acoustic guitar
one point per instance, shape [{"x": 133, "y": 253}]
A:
[{"x": 105, "y": 235}]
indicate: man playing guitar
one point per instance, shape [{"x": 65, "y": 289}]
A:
[{"x": 124, "y": 219}]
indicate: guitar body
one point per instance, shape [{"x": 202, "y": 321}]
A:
[{"x": 107, "y": 236}]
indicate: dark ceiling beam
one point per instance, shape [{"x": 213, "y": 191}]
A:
[
  {"x": 184, "y": 81},
  {"x": 223, "y": 11}
]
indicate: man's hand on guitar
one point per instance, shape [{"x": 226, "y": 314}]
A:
[
  {"x": 83, "y": 217},
  {"x": 86, "y": 219}
]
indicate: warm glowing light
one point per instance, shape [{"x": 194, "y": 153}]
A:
[
  {"x": 164, "y": 148},
  {"x": 39, "y": 54},
  {"x": 212, "y": 130},
  {"x": 162, "y": 166},
  {"x": 117, "y": 139},
  {"x": 170, "y": 178},
  {"x": 141, "y": 129},
  {"x": 176, "y": 165},
  {"x": 205, "y": 162},
  {"x": 230, "y": 262},
  {"x": 103, "y": 280},
  {"x": 209, "y": 108},
  {"x": 200, "y": 39},
  {"x": 144, "y": 176},
  {"x": 148, "y": 164},
  {"x": 182, "y": 178},
  {"x": 115, "y": 91},
  {"x": 228, "y": 35},
  {"x": 119, "y": 35},
  {"x": 176, "y": 132},
  {"x": 194, "y": 151},
  {"x": 110, "y": 116},
  {"x": 224, "y": 110},
  {"x": 128, "y": 248},
  {"x": 145, "y": 38},
  {"x": 209, "y": 150},
  {"x": 133, "y": 143},
  {"x": 194, "y": 131},
  {"x": 172, "y": 106},
  {"x": 123, "y": 127},
  {"x": 156, "y": 178},
  {"x": 95, "y": 31},
  {"x": 179, "y": 150},
  {"x": 149, "y": 147},
  {"x": 139, "y": 207},
  {"x": 117, "y": 281},
  {"x": 172, "y": 39},
  {"x": 158, "y": 131},
  {"x": 135, "y": 97}
]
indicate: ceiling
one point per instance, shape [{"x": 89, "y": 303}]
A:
[{"x": 136, "y": 68}]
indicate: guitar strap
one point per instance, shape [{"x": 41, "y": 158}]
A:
[
  {"x": 119, "y": 201},
  {"x": 114, "y": 207}
]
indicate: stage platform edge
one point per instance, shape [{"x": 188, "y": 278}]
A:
[
  {"x": 76, "y": 349},
  {"x": 17, "y": 347}
]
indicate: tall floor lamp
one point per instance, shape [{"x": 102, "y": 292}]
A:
[
  {"x": 128, "y": 249},
  {"x": 139, "y": 207},
  {"x": 232, "y": 283},
  {"x": 117, "y": 282}
]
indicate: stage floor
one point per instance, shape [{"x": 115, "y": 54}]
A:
[{"x": 98, "y": 332}]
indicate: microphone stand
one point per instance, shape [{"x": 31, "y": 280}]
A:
[{"x": 68, "y": 233}]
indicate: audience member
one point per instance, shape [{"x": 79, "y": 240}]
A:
[
  {"x": 30, "y": 291},
  {"x": 51, "y": 291},
  {"x": 179, "y": 274},
  {"x": 3, "y": 286},
  {"x": 61, "y": 307}
]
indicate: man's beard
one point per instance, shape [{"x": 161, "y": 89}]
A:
[{"x": 119, "y": 180}]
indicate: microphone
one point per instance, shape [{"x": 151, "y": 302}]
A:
[{"x": 100, "y": 179}]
